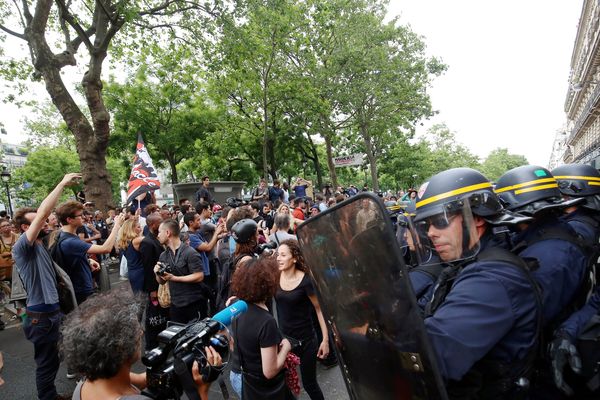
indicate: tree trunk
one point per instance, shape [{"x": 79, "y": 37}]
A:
[
  {"x": 96, "y": 179},
  {"x": 364, "y": 132},
  {"x": 330, "y": 165},
  {"x": 173, "y": 165},
  {"x": 91, "y": 138}
]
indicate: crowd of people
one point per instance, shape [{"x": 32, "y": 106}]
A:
[
  {"x": 184, "y": 248},
  {"x": 500, "y": 271}
]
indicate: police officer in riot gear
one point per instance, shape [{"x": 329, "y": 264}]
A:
[
  {"x": 581, "y": 181},
  {"x": 561, "y": 254},
  {"x": 578, "y": 181},
  {"x": 533, "y": 191},
  {"x": 484, "y": 316}
]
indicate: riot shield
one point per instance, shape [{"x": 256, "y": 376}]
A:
[{"x": 366, "y": 297}]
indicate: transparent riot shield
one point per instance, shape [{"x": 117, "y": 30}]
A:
[{"x": 366, "y": 297}]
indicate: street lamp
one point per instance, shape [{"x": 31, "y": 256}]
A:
[{"x": 5, "y": 175}]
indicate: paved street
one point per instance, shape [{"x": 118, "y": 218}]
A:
[{"x": 19, "y": 368}]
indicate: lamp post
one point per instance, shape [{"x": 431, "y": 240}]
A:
[{"x": 5, "y": 175}]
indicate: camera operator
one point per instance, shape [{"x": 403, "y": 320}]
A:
[
  {"x": 102, "y": 339},
  {"x": 182, "y": 267}
]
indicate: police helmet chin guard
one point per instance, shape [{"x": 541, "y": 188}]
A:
[
  {"x": 446, "y": 207},
  {"x": 579, "y": 181},
  {"x": 244, "y": 230},
  {"x": 531, "y": 190}
]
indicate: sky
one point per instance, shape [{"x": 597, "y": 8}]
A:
[
  {"x": 507, "y": 78},
  {"x": 508, "y": 69}
]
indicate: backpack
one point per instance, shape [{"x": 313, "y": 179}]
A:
[
  {"x": 224, "y": 283},
  {"x": 64, "y": 286}
]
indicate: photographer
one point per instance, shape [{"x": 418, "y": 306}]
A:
[
  {"x": 102, "y": 339},
  {"x": 182, "y": 267}
]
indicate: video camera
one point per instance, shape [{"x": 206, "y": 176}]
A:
[
  {"x": 266, "y": 247},
  {"x": 169, "y": 366}
]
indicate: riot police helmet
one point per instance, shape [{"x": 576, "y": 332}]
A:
[
  {"x": 530, "y": 190},
  {"x": 445, "y": 227},
  {"x": 451, "y": 188},
  {"x": 579, "y": 180},
  {"x": 244, "y": 230}
]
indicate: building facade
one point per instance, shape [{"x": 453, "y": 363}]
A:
[{"x": 582, "y": 105}]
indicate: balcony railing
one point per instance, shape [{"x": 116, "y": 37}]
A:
[{"x": 589, "y": 106}]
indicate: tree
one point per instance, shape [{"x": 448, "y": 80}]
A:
[
  {"x": 93, "y": 26},
  {"x": 499, "y": 161},
  {"x": 166, "y": 103},
  {"x": 250, "y": 75},
  {"x": 386, "y": 73},
  {"x": 46, "y": 166}
]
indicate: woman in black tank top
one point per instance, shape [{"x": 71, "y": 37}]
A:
[{"x": 296, "y": 302}]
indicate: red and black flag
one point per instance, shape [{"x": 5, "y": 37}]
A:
[{"x": 143, "y": 176}]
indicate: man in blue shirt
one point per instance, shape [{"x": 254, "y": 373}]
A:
[
  {"x": 74, "y": 251},
  {"x": 34, "y": 264}
]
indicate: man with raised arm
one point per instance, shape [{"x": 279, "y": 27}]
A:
[{"x": 34, "y": 264}]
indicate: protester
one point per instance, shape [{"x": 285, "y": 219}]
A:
[
  {"x": 276, "y": 192},
  {"x": 260, "y": 193},
  {"x": 285, "y": 209},
  {"x": 129, "y": 244},
  {"x": 258, "y": 345},
  {"x": 74, "y": 251},
  {"x": 150, "y": 250},
  {"x": 110, "y": 323},
  {"x": 36, "y": 271},
  {"x": 281, "y": 229},
  {"x": 187, "y": 272},
  {"x": 301, "y": 188},
  {"x": 7, "y": 240},
  {"x": 299, "y": 209},
  {"x": 296, "y": 300},
  {"x": 204, "y": 248},
  {"x": 203, "y": 194}
]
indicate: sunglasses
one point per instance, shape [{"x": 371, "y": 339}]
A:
[{"x": 440, "y": 221}]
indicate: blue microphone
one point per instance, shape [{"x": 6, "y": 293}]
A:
[{"x": 227, "y": 315}]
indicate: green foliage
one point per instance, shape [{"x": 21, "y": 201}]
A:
[
  {"x": 165, "y": 102},
  {"x": 499, "y": 161},
  {"x": 46, "y": 166}
]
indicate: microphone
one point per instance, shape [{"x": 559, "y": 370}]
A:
[{"x": 227, "y": 315}]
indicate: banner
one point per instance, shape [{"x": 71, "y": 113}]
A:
[
  {"x": 346, "y": 161},
  {"x": 143, "y": 176}
]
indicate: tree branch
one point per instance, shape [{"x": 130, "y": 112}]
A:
[
  {"x": 28, "y": 16},
  {"x": 82, "y": 35},
  {"x": 13, "y": 33}
]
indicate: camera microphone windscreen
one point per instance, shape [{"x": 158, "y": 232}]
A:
[{"x": 226, "y": 315}]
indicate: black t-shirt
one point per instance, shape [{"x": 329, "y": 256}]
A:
[
  {"x": 204, "y": 193},
  {"x": 294, "y": 310},
  {"x": 185, "y": 261},
  {"x": 150, "y": 250},
  {"x": 253, "y": 330}
]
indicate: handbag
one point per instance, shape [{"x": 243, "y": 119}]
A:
[
  {"x": 164, "y": 295},
  {"x": 255, "y": 387}
]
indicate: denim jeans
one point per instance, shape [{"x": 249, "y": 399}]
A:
[
  {"x": 44, "y": 334},
  {"x": 235, "y": 378}
]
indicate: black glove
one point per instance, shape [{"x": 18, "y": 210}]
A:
[{"x": 563, "y": 352}]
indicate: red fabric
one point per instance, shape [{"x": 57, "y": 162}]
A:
[
  {"x": 298, "y": 213},
  {"x": 291, "y": 373}
]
